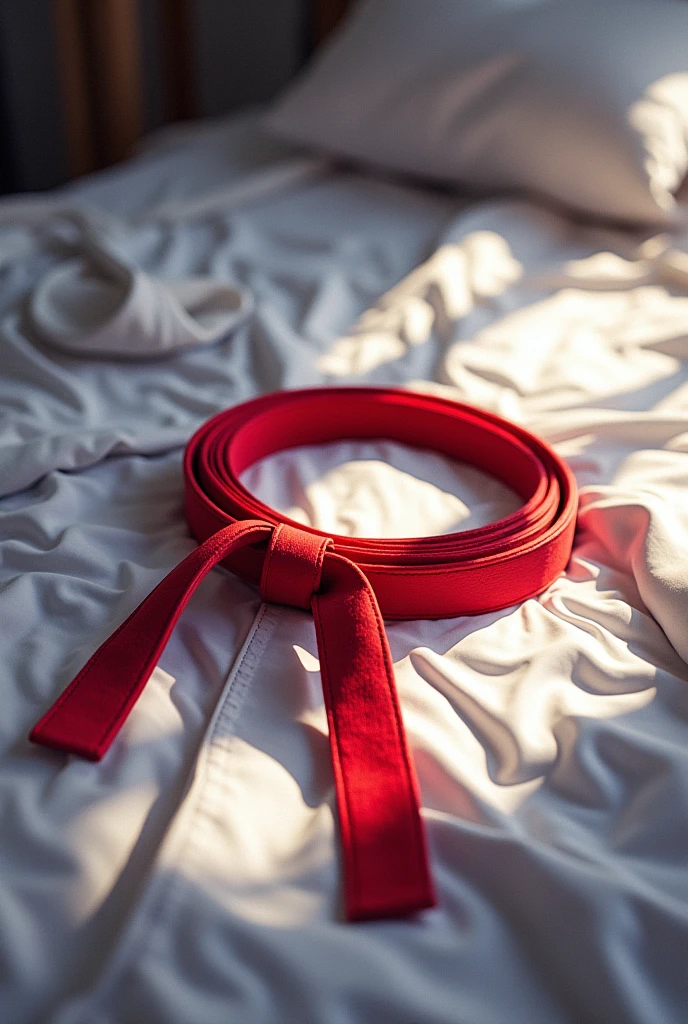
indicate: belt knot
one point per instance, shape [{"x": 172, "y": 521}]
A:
[{"x": 293, "y": 566}]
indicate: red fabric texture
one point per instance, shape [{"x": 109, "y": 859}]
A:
[
  {"x": 292, "y": 567},
  {"x": 349, "y": 583}
]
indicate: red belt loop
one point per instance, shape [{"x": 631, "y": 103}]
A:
[
  {"x": 349, "y": 583},
  {"x": 292, "y": 568}
]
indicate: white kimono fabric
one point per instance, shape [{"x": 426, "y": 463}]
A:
[{"x": 193, "y": 874}]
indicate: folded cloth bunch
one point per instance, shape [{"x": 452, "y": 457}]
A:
[{"x": 99, "y": 305}]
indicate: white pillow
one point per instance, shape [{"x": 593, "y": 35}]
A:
[{"x": 585, "y": 102}]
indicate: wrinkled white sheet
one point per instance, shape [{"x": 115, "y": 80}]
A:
[{"x": 193, "y": 874}]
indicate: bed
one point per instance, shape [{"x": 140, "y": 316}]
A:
[{"x": 193, "y": 874}]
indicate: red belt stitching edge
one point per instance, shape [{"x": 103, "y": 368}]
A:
[{"x": 347, "y": 582}]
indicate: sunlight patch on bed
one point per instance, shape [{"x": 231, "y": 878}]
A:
[
  {"x": 572, "y": 347},
  {"x": 433, "y": 298},
  {"x": 102, "y": 836},
  {"x": 659, "y": 116},
  {"x": 378, "y": 489},
  {"x": 308, "y": 661},
  {"x": 512, "y": 686}
]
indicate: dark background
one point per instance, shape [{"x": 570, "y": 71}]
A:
[{"x": 243, "y": 51}]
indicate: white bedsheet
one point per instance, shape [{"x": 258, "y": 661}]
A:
[{"x": 192, "y": 875}]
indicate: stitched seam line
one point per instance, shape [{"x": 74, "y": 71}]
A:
[
  {"x": 169, "y": 883},
  {"x": 230, "y": 707},
  {"x": 93, "y": 661}
]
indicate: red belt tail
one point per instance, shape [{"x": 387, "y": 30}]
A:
[{"x": 348, "y": 583}]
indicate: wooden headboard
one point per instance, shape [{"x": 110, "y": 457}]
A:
[{"x": 99, "y": 49}]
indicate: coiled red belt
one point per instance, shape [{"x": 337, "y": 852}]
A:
[{"x": 347, "y": 582}]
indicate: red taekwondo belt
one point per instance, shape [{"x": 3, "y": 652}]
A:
[{"x": 348, "y": 583}]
